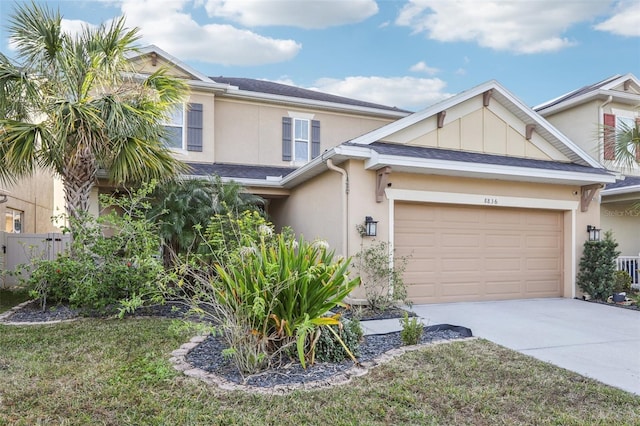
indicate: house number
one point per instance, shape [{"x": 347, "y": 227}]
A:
[{"x": 491, "y": 200}]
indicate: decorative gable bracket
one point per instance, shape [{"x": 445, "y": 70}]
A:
[
  {"x": 486, "y": 97},
  {"x": 529, "y": 131},
  {"x": 382, "y": 181},
  {"x": 587, "y": 193}
]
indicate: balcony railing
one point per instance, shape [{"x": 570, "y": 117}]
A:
[{"x": 630, "y": 265}]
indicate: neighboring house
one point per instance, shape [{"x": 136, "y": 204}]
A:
[
  {"x": 590, "y": 116},
  {"x": 489, "y": 200}
]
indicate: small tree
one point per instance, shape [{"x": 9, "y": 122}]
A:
[
  {"x": 383, "y": 283},
  {"x": 597, "y": 267}
]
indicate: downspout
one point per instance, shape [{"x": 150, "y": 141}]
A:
[
  {"x": 345, "y": 205},
  {"x": 601, "y": 126}
]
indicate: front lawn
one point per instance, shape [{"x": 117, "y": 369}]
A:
[
  {"x": 117, "y": 372},
  {"x": 11, "y": 298}
]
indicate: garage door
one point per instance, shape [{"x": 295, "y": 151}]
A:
[{"x": 469, "y": 253}]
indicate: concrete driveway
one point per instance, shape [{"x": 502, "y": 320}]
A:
[{"x": 597, "y": 341}]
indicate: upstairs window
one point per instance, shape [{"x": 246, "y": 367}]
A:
[
  {"x": 300, "y": 139},
  {"x": 13, "y": 221},
  {"x": 301, "y": 142},
  {"x": 183, "y": 129},
  {"x": 616, "y": 126}
]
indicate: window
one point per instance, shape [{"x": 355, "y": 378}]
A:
[
  {"x": 300, "y": 139},
  {"x": 615, "y": 127},
  {"x": 13, "y": 221},
  {"x": 174, "y": 129},
  {"x": 184, "y": 128}
]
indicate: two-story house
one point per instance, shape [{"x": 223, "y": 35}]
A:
[
  {"x": 591, "y": 116},
  {"x": 488, "y": 198}
]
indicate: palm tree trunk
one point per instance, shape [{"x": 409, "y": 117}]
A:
[{"x": 79, "y": 177}]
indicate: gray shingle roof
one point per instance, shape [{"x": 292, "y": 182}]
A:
[
  {"x": 576, "y": 93},
  {"x": 238, "y": 171},
  {"x": 272, "y": 88},
  {"x": 624, "y": 183},
  {"x": 473, "y": 157}
]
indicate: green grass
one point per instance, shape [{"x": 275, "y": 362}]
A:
[
  {"x": 116, "y": 372},
  {"x": 12, "y": 297}
]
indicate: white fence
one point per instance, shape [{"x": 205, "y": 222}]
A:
[
  {"x": 16, "y": 249},
  {"x": 630, "y": 265}
]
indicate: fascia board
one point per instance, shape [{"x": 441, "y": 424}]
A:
[
  {"x": 486, "y": 170},
  {"x": 622, "y": 97},
  {"x": 233, "y": 92},
  {"x": 175, "y": 61},
  {"x": 276, "y": 183},
  {"x": 619, "y": 191}
]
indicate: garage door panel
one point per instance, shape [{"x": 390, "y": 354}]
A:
[
  {"x": 464, "y": 253},
  {"x": 458, "y": 239},
  {"x": 459, "y": 265},
  {"x": 503, "y": 264}
]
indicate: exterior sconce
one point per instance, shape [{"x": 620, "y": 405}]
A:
[
  {"x": 370, "y": 226},
  {"x": 594, "y": 233}
]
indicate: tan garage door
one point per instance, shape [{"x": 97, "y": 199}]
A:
[{"x": 468, "y": 253}]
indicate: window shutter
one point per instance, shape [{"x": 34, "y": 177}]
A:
[
  {"x": 286, "y": 139},
  {"x": 609, "y": 137},
  {"x": 315, "y": 138},
  {"x": 194, "y": 127}
]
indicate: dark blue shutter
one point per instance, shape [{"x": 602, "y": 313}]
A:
[
  {"x": 286, "y": 139},
  {"x": 194, "y": 127},
  {"x": 315, "y": 138}
]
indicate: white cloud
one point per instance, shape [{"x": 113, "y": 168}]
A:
[
  {"x": 424, "y": 68},
  {"x": 75, "y": 26},
  {"x": 166, "y": 24},
  {"x": 403, "y": 92},
  {"x": 516, "y": 26},
  {"x": 625, "y": 20},
  {"x": 296, "y": 13}
]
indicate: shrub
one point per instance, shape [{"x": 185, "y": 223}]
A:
[
  {"x": 267, "y": 293},
  {"x": 99, "y": 269},
  {"x": 412, "y": 330},
  {"x": 329, "y": 349},
  {"x": 621, "y": 282},
  {"x": 383, "y": 284},
  {"x": 597, "y": 267}
]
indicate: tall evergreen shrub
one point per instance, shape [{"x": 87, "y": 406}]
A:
[{"x": 597, "y": 267}]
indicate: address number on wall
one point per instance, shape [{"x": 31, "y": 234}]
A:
[{"x": 491, "y": 200}]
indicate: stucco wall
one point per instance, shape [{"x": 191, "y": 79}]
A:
[
  {"x": 314, "y": 210},
  {"x": 624, "y": 220},
  {"x": 251, "y": 133},
  {"x": 35, "y": 197}
]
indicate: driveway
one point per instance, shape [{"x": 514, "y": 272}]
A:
[{"x": 597, "y": 341}]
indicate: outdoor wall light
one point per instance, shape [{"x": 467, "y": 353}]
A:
[
  {"x": 370, "y": 226},
  {"x": 594, "y": 233}
]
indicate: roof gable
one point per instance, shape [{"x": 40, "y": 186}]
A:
[
  {"x": 151, "y": 58},
  {"x": 622, "y": 88},
  {"x": 486, "y": 119}
]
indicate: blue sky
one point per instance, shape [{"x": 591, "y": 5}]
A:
[{"x": 408, "y": 54}]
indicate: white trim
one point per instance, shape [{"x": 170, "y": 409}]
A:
[
  {"x": 487, "y": 200},
  {"x": 488, "y": 170},
  {"x": 619, "y": 191},
  {"x": 391, "y": 239},
  {"x": 172, "y": 59},
  {"x": 301, "y": 115}
]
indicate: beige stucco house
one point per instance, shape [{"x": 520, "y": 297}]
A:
[
  {"x": 489, "y": 199},
  {"x": 590, "y": 116}
]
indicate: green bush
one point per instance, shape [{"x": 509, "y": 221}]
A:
[
  {"x": 329, "y": 349},
  {"x": 597, "y": 267},
  {"x": 412, "y": 330},
  {"x": 265, "y": 291},
  {"x": 111, "y": 258},
  {"x": 621, "y": 282}
]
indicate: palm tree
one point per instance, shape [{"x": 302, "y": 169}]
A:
[
  {"x": 183, "y": 209},
  {"x": 73, "y": 105},
  {"x": 627, "y": 144}
]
